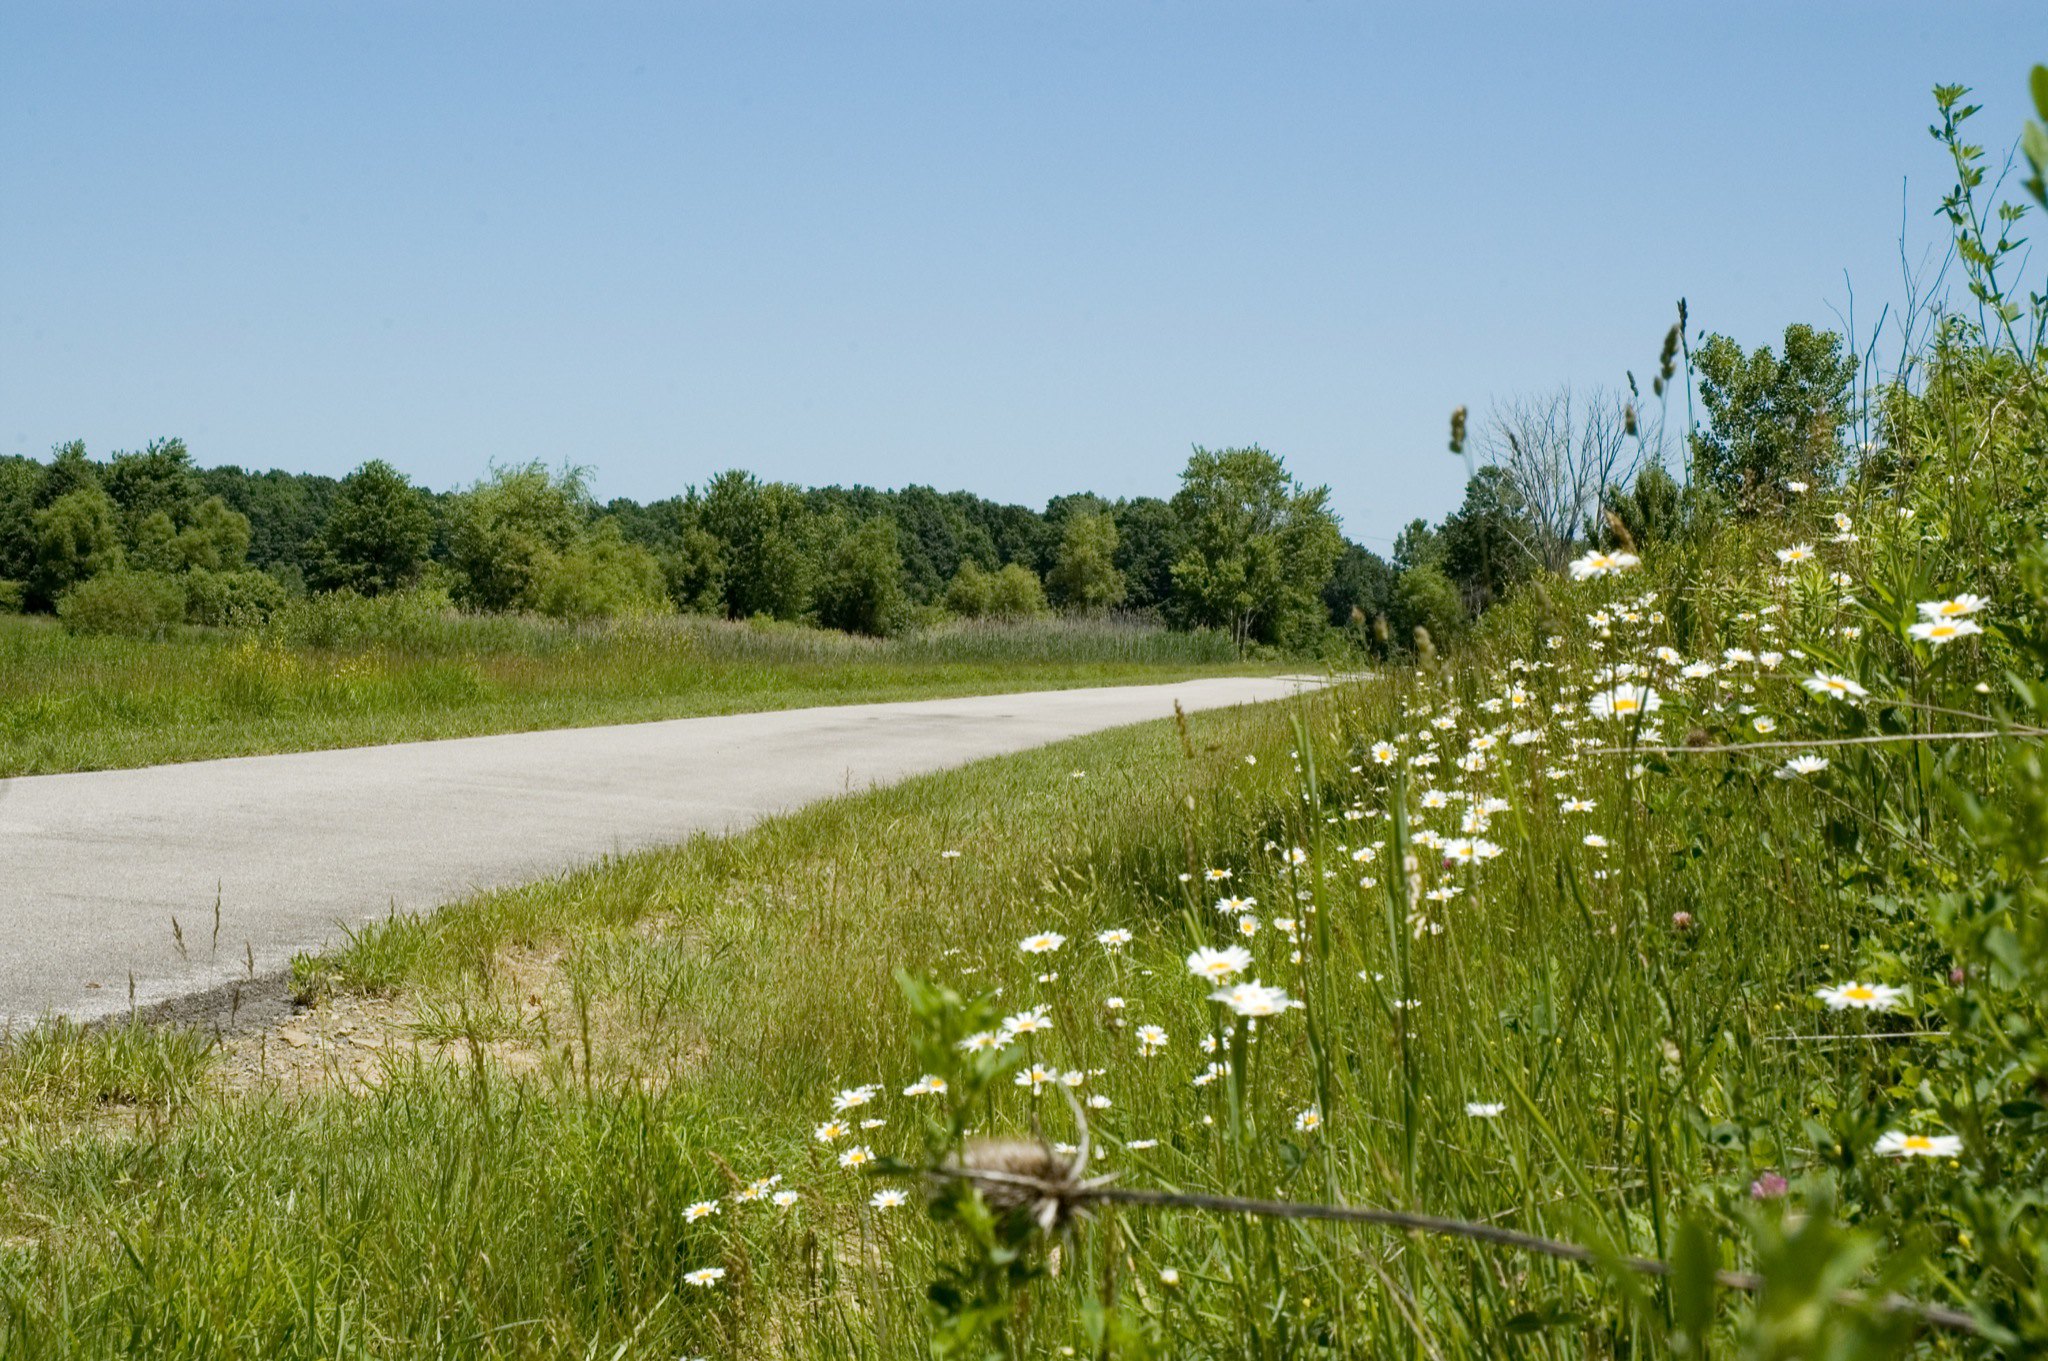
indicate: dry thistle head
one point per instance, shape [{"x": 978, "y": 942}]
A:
[
  {"x": 1618, "y": 529},
  {"x": 1628, "y": 419},
  {"x": 1380, "y": 629},
  {"x": 1458, "y": 430},
  {"x": 1023, "y": 1174},
  {"x": 1699, "y": 737},
  {"x": 1425, "y": 648}
]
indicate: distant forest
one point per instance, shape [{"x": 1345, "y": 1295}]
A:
[{"x": 145, "y": 538}]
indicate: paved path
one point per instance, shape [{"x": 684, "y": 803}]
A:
[{"x": 93, "y": 867}]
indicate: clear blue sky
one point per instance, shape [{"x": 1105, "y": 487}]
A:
[{"x": 1020, "y": 248}]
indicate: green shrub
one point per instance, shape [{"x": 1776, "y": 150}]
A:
[
  {"x": 12, "y": 594},
  {"x": 600, "y": 577},
  {"x": 133, "y": 604},
  {"x": 970, "y": 592},
  {"x": 1017, "y": 593},
  {"x": 343, "y": 620},
  {"x": 244, "y": 599}
]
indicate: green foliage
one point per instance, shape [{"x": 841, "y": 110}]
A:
[
  {"x": 241, "y": 599},
  {"x": 21, "y": 485},
  {"x": 1424, "y": 598},
  {"x": 128, "y": 603},
  {"x": 1986, "y": 238},
  {"x": 766, "y": 534},
  {"x": 215, "y": 539},
  {"x": 971, "y": 593},
  {"x": 13, "y": 596},
  {"x": 1084, "y": 575},
  {"x": 376, "y": 537},
  {"x": 70, "y": 470},
  {"x": 1418, "y": 545},
  {"x": 1259, "y": 547},
  {"x": 527, "y": 540},
  {"x": 600, "y": 576},
  {"x": 694, "y": 570},
  {"x": 158, "y": 480},
  {"x": 1773, "y": 418},
  {"x": 1014, "y": 592},
  {"x": 1651, "y": 510},
  {"x": 340, "y": 621},
  {"x": 285, "y": 511},
  {"x": 507, "y": 534},
  {"x": 1487, "y": 544},
  {"x": 76, "y": 536},
  {"x": 1148, "y": 544},
  {"x": 1360, "y": 591},
  {"x": 2034, "y": 138},
  {"x": 860, "y": 588}
]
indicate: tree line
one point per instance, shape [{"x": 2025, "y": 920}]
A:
[{"x": 147, "y": 539}]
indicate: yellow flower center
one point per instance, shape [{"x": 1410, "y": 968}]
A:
[
  {"x": 1858, "y": 993},
  {"x": 1918, "y": 1142}
]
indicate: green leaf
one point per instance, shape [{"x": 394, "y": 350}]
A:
[
  {"x": 1694, "y": 1259},
  {"x": 2039, "y": 81}
]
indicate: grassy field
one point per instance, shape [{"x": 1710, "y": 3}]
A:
[
  {"x": 1551, "y": 956},
  {"x": 352, "y": 674}
]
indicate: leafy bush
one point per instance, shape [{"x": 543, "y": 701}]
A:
[
  {"x": 244, "y": 599},
  {"x": 12, "y": 594},
  {"x": 1014, "y": 592},
  {"x": 600, "y": 577},
  {"x": 133, "y": 604}
]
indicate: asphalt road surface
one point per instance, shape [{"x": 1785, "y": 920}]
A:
[{"x": 293, "y": 848}]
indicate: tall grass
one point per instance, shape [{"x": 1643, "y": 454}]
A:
[{"x": 337, "y": 671}]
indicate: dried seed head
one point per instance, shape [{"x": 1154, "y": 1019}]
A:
[
  {"x": 1667, "y": 361},
  {"x": 1619, "y": 530},
  {"x": 1458, "y": 431},
  {"x": 1699, "y": 737},
  {"x": 992, "y": 1163},
  {"x": 1628, "y": 417}
]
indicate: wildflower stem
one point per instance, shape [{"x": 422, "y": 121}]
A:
[{"x": 1081, "y": 1195}]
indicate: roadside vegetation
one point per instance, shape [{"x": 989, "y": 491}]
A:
[
  {"x": 339, "y": 671},
  {"x": 1677, "y": 943}
]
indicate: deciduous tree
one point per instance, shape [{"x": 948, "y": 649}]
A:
[{"x": 1259, "y": 546}]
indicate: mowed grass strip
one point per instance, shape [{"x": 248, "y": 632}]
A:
[
  {"x": 93, "y": 703},
  {"x": 597, "y": 1054}
]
